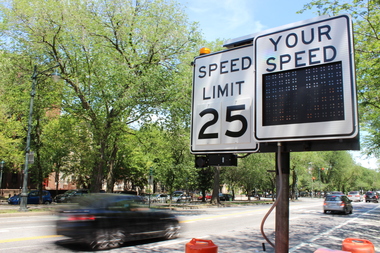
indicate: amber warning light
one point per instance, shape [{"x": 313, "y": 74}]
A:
[{"x": 204, "y": 50}]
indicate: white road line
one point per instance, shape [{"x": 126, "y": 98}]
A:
[{"x": 328, "y": 231}]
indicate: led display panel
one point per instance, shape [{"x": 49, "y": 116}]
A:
[{"x": 304, "y": 95}]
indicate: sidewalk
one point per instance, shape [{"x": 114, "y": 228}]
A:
[{"x": 7, "y": 210}]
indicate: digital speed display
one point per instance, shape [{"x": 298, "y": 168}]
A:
[{"x": 303, "y": 95}]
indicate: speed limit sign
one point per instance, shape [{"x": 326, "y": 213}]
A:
[{"x": 222, "y": 102}]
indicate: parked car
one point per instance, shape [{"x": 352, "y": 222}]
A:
[
  {"x": 225, "y": 197},
  {"x": 159, "y": 198},
  {"x": 33, "y": 198},
  {"x": 337, "y": 203},
  {"x": 180, "y": 197},
  {"x": 372, "y": 196},
  {"x": 207, "y": 197},
  {"x": 336, "y": 192},
  {"x": 355, "y": 196},
  {"x": 108, "y": 220},
  {"x": 69, "y": 195}
]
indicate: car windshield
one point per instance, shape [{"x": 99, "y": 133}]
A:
[
  {"x": 333, "y": 198},
  {"x": 353, "y": 193}
]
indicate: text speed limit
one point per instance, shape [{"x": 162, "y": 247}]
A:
[{"x": 222, "y": 113}]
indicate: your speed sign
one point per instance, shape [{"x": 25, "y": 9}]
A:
[{"x": 222, "y": 102}]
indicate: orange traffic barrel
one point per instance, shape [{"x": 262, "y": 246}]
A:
[
  {"x": 201, "y": 246},
  {"x": 355, "y": 245}
]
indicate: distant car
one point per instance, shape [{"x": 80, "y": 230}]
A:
[
  {"x": 207, "y": 197},
  {"x": 337, "y": 203},
  {"x": 69, "y": 195},
  {"x": 159, "y": 198},
  {"x": 355, "y": 196},
  {"x": 107, "y": 220},
  {"x": 177, "y": 197},
  {"x": 336, "y": 192},
  {"x": 372, "y": 196},
  {"x": 225, "y": 197},
  {"x": 33, "y": 198}
]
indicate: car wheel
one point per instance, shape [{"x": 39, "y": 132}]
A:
[
  {"x": 47, "y": 202},
  {"x": 171, "y": 231},
  {"x": 107, "y": 239}
]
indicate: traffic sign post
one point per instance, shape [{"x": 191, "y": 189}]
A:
[
  {"x": 305, "y": 82},
  {"x": 290, "y": 89},
  {"x": 222, "y": 104}
]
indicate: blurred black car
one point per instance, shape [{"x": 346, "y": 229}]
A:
[
  {"x": 108, "y": 220},
  {"x": 372, "y": 196},
  {"x": 69, "y": 195},
  {"x": 225, "y": 197}
]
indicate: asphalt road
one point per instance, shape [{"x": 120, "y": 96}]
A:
[{"x": 232, "y": 229}]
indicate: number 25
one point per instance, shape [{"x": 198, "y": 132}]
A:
[{"x": 229, "y": 118}]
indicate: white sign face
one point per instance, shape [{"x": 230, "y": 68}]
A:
[
  {"x": 306, "y": 82},
  {"x": 222, "y": 104}
]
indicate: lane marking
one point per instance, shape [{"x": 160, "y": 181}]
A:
[
  {"x": 30, "y": 238},
  {"x": 311, "y": 241}
]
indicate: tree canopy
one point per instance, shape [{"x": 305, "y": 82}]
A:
[
  {"x": 122, "y": 107},
  {"x": 366, "y": 21},
  {"x": 120, "y": 61}
]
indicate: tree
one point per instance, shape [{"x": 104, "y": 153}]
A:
[
  {"x": 366, "y": 16},
  {"x": 204, "y": 180},
  {"x": 251, "y": 173},
  {"x": 303, "y": 167},
  {"x": 119, "y": 60},
  {"x": 65, "y": 150},
  {"x": 14, "y": 99}
]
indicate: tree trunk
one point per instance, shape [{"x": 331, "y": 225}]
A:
[
  {"x": 294, "y": 184},
  {"x": 110, "y": 178},
  {"x": 110, "y": 175},
  {"x": 97, "y": 177},
  {"x": 215, "y": 190}
]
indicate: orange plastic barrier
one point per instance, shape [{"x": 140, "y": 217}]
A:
[
  {"x": 330, "y": 251},
  {"x": 355, "y": 245},
  {"x": 201, "y": 246}
]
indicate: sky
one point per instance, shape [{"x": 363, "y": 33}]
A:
[{"x": 229, "y": 19}]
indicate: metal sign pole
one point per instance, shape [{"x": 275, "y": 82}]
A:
[{"x": 282, "y": 209}]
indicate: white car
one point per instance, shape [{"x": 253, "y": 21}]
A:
[
  {"x": 180, "y": 198},
  {"x": 159, "y": 198},
  {"x": 355, "y": 196}
]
